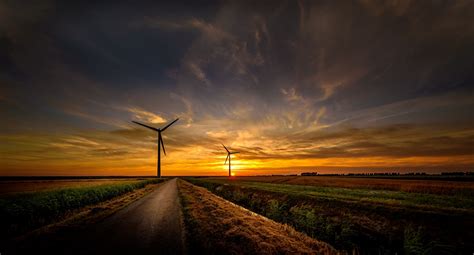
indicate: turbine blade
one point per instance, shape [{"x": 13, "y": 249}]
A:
[
  {"x": 162, "y": 144},
  {"x": 228, "y": 155},
  {"x": 163, "y": 129},
  {"x": 226, "y": 148},
  {"x": 235, "y": 152},
  {"x": 152, "y": 128}
]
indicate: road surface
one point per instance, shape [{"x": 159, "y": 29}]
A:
[{"x": 150, "y": 225}]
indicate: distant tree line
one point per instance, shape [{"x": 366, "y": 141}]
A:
[
  {"x": 385, "y": 174},
  {"x": 457, "y": 173},
  {"x": 378, "y": 174},
  {"x": 309, "y": 174},
  {"x": 390, "y": 174}
]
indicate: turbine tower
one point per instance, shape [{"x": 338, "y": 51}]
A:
[
  {"x": 160, "y": 143},
  {"x": 228, "y": 157}
]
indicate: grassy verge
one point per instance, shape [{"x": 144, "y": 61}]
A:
[
  {"x": 23, "y": 212},
  {"x": 215, "y": 226},
  {"x": 368, "y": 221}
]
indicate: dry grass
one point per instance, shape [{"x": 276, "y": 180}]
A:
[
  {"x": 217, "y": 226},
  {"x": 441, "y": 187},
  {"x": 11, "y": 187}
]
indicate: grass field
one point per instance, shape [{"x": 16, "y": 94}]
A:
[
  {"x": 9, "y": 187},
  {"x": 365, "y": 217},
  {"x": 428, "y": 184},
  {"x": 24, "y": 211},
  {"x": 215, "y": 226}
]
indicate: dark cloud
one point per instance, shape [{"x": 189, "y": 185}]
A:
[{"x": 295, "y": 80}]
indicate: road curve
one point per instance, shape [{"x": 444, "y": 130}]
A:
[{"x": 151, "y": 225}]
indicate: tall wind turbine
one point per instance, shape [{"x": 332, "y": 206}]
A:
[
  {"x": 228, "y": 157},
  {"x": 160, "y": 143}
]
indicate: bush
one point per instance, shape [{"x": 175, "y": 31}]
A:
[
  {"x": 274, "y": 210},
  {"x": 305, "y": 219},
  {"x": 414, "y": 241}
]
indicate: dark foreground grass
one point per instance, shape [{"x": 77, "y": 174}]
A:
[
  {"x": 26, "y": 211},
  {"x": 362, "y": 220}
]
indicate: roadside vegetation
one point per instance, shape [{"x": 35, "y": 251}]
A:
[
  {"x": 360, "y": 220},
  {"x": 25, "y": 211},
  {"x": 215, "y": 226},
  {"x": 9, "y": 187}
]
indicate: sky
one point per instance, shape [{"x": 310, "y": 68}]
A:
[{"x": 295, "y": 86}]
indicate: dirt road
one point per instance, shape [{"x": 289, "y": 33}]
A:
[{"x": 150, "y": 225}]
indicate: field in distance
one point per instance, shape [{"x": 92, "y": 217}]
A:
[
  {"x": 428, "y": 184},
  {"x": 10, "y": 186}
]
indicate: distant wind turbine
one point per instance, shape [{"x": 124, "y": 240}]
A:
[
  {"x": 228, "y": 157},
  {"x": 160, "y": 143}
]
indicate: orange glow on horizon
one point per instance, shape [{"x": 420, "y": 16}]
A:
[
  {"x": 175, "y": 167},
  {"x": 99, "y": 153}
]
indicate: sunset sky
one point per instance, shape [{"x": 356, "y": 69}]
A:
[{"x": 327, "y": 86}]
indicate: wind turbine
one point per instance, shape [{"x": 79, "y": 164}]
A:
[
  {"x": 160, "y": 143},
  {"x": 228, "y": 157}
]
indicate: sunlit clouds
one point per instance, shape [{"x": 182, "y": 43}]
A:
[
  {"x": 293, "y": 85},
  {"x": 143, "y": 115}
]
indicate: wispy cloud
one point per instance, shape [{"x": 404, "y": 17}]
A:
[
  {"x": 144, "y": 115},
  {"x": 291, "y": 95},
  {"x": 198, "y": 72},
  {"x": 209, "y": 30}
]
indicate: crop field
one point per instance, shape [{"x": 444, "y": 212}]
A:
[
  {"x": 8, "y": 187},
  {"x": 25, "y": 210},
  {"x": 362, "y": 215},
  {"x": 428, "y": 184}
]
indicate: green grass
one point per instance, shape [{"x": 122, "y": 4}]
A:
[
  {"x": 385, "y": 197},
  {"x": 25, "y": 211},
  {"x": 359, "y": 219}
]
